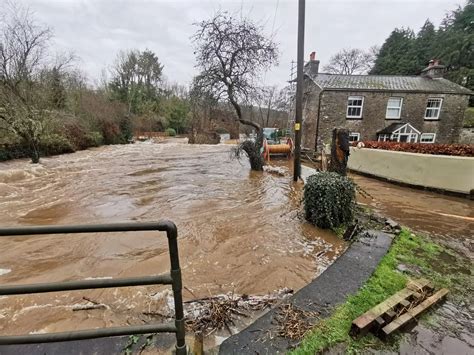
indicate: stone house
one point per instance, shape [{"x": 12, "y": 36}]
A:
[{"x": 424, "y": 109}]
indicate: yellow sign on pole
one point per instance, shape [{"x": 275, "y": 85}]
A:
[{"x": 297, "y": 126}]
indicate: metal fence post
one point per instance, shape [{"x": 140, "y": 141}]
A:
[
  {"x": 173, "y": 278},
  {"x": 172, "y": 235}
]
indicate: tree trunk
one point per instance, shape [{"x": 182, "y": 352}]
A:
[
  {"x": 34, "y": 152},
  {"x": 253, "y": 149},
  {"x": 339, "y": 151}
]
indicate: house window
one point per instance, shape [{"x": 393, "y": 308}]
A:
[
  {"x": 433, "y": 108},
  {"x": 354, "y": 137},
  {"x": 427, "y": 137},
  {"x": 394, "y": 108},
  {"x": 384, "y": 137},
  {"x": 354, "y": 106}
]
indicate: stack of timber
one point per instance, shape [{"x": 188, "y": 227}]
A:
[{"x": 398, "y": 310}]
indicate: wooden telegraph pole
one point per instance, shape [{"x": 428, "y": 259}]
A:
[{"x": 299, "y": 90}]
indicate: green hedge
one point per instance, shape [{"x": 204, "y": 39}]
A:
[
  {"x": 329, "y": 200},
  {"x": 170, "y": 132}
]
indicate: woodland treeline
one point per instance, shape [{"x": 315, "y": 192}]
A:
[{"x": 49, "y": 106}]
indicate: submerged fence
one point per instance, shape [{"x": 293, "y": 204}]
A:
[{"x": 173, "y": 278}]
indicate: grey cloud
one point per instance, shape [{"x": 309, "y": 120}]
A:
[{"x": 97, "y": 29}]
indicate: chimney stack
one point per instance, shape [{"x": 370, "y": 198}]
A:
[
  {"x": 312, "y": 67},
  {"x": 433, "y": 70}
]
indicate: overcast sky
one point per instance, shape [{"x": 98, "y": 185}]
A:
[{"x": 97, "y": 29}]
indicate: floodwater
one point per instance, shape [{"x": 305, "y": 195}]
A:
[
  {"x": 441, "y": 216},
  {"x": 239, "y": 231}
]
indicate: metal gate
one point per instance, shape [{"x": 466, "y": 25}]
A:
[{"x": 173, "y": 278}]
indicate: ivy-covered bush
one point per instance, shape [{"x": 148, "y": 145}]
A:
[
  {"x": 170, "y": 132},
  {"x": 329, "y": 200}
]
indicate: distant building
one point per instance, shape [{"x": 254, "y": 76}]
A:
[{"x": 424, "y": 109}]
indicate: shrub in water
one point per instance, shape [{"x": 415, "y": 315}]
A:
[
  {"x": 54, "y": 144},
  {"x": 93, "y": 139},
  {"x": 329, "y": 200},
  {"x": 170, "y": 132}
]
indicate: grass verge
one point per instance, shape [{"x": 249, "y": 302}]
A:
[{"x": 422, "y": 258}]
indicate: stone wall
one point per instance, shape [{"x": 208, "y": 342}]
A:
[
  {"x": 334, "y": 106},
  {"x": 467, "y": 136}
]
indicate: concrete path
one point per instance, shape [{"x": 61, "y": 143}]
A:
[{"x": 343, "y": 278}]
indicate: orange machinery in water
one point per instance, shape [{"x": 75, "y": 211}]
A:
[{"x": 277, "y": 149}]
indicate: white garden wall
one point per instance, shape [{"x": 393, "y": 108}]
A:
[{"x": 449, "y": 173}]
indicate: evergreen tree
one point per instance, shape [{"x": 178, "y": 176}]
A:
[
  {"x": 395, "y": 56},
  {"x": 424, "y": 45},
  {"x": 452, "y": 43}
]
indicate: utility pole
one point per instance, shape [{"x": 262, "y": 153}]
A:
[{"x": 299, "y": 91}]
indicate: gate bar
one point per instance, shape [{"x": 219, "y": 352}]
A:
[
  {"x": 175, "y": 275},
  {"x": 88, "y": 334},
  {"x": 162, "y": 226},
  {"x": 85, "y": 284}
]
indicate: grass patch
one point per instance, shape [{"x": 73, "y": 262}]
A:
[{"x": 419, "y": 255}]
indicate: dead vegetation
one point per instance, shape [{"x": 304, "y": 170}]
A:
[
  {"x": 293, "y": 322},
  {"x": 209, "y": 314}
]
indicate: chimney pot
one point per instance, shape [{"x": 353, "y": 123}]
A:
[
  {"x": 312, "y": 67},
  {"x": 434, "y": 69}
]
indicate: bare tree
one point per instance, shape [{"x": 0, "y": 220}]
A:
[
  {"x": 266, "y": 102},
  {"x": 231, "y": 53},
  {"x": 22, "y": 56},
  {"x": 350, "y": 61}
]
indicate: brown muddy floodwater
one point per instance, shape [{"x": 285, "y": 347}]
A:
[
  {"x": 445, "y": 217},
  {"x": 238, "y": 231}
]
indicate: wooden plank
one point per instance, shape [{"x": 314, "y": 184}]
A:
[
  {"x": 399, "y": 322},
  {"x": 420, "y": 284},
  {"x": 362, "y": 324},
  {"x": 388, "y": 316},
  {"x": 405, "y": 303}
]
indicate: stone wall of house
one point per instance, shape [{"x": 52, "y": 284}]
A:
[{"x": 334, "y": 106}]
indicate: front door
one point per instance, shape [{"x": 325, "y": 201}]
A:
[{"x": 404, "y": 137}]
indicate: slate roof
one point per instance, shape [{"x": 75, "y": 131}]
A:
[
  {"x": 391, "y": 128},
  {"x": 398, "y": 83}
]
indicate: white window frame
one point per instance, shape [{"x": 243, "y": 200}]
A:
[
  {"x": 399, "y": 108},
  {"x": 440, "y": 100},
  {"x": 412, "y": 135},
  {"x": 354, "y": 134},
  {"x": 433, "y": 139},
  {"x": 353, "y": 106},
  {"x": 384, "y": 137}
]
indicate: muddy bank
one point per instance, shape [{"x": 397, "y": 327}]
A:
[{"x": 239, "y": 231}]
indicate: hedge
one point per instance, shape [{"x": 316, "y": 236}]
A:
[
  {"x": 170, "y": 132},
  {"x": 466, "y": 150}
]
